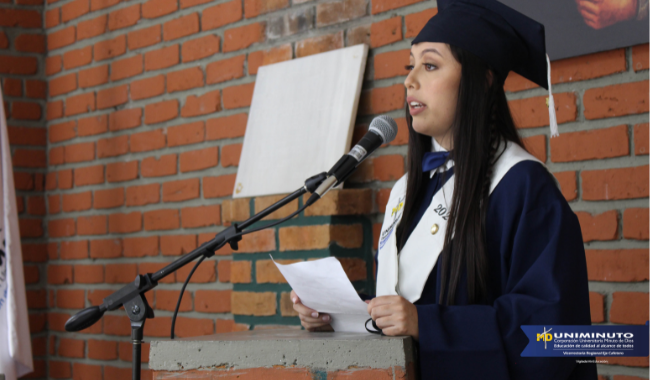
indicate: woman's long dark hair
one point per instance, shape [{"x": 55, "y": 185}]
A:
[{"x": 482, "y": 121}]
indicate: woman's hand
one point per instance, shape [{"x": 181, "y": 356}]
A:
[
  {"x": 310, "y": 319},
  {"x": 394, "y": 315}
]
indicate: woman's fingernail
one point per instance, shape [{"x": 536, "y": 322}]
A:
[
  {"x": 314, "y": 315},
  {"x": 294, "y": 299},
  {"x": 326, "y": 318}
]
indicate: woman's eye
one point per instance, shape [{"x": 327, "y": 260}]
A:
[{"x": 427, "y": 65}]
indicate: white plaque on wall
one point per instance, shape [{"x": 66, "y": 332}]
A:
[{"x": 300, "y": 121}]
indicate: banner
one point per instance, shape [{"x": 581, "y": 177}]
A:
[
  {"x": 581, "y": 340},
  {"x": 15, "y": 341}
]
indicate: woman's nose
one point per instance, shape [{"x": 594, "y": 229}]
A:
[{"x": 410, "y": 81}]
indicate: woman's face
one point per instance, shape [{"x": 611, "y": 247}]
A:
[{"x": 432, "y": 90}]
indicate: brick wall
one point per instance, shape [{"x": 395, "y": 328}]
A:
[{"x": 145, "y": 104}]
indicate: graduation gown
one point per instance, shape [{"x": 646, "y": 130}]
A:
[{"x": 538, "y": 275}]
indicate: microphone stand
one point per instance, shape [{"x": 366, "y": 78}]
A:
[{"x": 131, "y": 296}]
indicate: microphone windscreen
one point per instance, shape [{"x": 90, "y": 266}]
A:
[{"x": 385, "y": 127}]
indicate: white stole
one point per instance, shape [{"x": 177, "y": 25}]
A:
[{"x": 406, "y": 275}]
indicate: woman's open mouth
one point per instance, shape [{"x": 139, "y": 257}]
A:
[{"x": 415, "y": 108}]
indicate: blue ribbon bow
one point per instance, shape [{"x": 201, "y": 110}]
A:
[{"x": 433, "y": 160}]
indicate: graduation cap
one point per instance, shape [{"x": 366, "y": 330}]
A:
[{"x": 504, "y": 38}]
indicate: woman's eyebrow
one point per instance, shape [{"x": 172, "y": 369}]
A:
[{"x": 431, "y": 50}]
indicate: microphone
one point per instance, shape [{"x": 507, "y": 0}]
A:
[{"x": 382, "y": 130}]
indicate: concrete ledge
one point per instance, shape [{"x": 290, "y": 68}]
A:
[{"x": 327, "y": 351}]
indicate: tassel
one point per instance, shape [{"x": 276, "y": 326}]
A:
[{"x": 551, "y": 103}]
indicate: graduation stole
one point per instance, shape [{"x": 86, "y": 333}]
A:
[{"x": 407, "y": 273}]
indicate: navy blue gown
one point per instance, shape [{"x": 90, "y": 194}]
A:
[{"x": 538, "y": 275}]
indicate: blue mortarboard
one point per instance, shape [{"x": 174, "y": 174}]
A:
[{"x": 505, "y": 39}]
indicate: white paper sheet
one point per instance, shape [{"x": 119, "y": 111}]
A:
[{"x": 322, "y": 285}]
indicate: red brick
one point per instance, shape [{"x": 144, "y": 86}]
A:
[
  {"x": 71, "y": 250},
  {"x": 108, "y": 198},
  {"x": 52, "y": 19},
  {"x": 603, "y": 226},
  {"x": 220, "y": 15},
  {"x": 161, "y": 111},
  {"x": 92, "y": 28},
  {"x": 212, "y": 301},
  {"x": 65, "y": 179},
  {"x": 59, "y": 369},
  {"x": 144, "y": 37},
  {"x": 32, "y": 136},
  {"x": 239, "y": 96},
  {"x": 89, "y": 274},
  {"x": 120, "y": 274},
  {"x": 111, "y": 147},
  {"x": 36, "y": 205},
  {"x": 158, "y": 8},
  {"x": 621, "y": 183},
  {"x": 225, "y": 69},
  {"x": 167, "y": 299},
  {"x": 30, "y": 43},
  {"x": 126, "y": 68},
  {"x": 181, "y": 27},
  {"x": 640, "y": 60},
  {"x": 141, "y": 246},
  {"x": 92, "y": 225},
  {"x": 36, "y": 299},
  {"x": 70, "y": 299},
  {"x": 201, "y": 47},
  {"x": 533, "y": 112},
  {"x": 568, "y": 184},
  {"x": 124, "y": 17},
  {"x": 90, "y": 175},
  {"x": 102, "y": 350},
  {"x": 175, "y": 245},
  {"x": 226, "y": 127},
  {"x": 260, "y": 58},
  {"x": 382, "y": 99},
  {"x": 243, "y": 36},
  {"x": 159, "y": 167},
  {"x": 25, "y": 110},
  {"x": 641, "y": 139},
  {"x": 53, "y": 65},
  {"x": 36, "y": 89},
  {"x": 379, "y": 6},
  {"x": 629, "y": 308},
  {"x": 391, "y": 64},
  {"x": 143, "y": 195},
  {"x": 110, "y": 48},
  {"x": 74, "y": 9},
  {"x": 62, "y": 131},
  {"x": 619, "y": 265},
  {"x": 635, "y": 224},
  {"x": 121, "y": 171},
  {"x": 591, "y": 144},
  {"x": 181, "y": 190},
  {"x": 201, "y": 216},
  {"x": 199, "y": 159},
  {"x": 31, "y": 275},
  {"x": 56, "y": 155},
  {"x": 254, "y": 8},
  {"x": 63, "y": 84},
  {"x": 102, "y": 4},
  {"x": 215, "y": 187},
  {"x": 201, "y": 105},
  {"x": 147, "y": 141},
  {"x": 61, "y": 38},
  {"x": 93, "y": 77},
  {"x": 18, "y": 65},
  {"x": 386, "y": 32},
  {"x": 125, "y": 223},
  {"x": 86, "y": 371},
  {"x": 184, "y": 79},
  {"x": 77, "y": 201},
  {"x": 148, "y": 87},
  {"x": 186, "y": 134},
  {"x": 112, "y": 97},
  {"x": 59, "y": 274},
  {"x": 81, "y": 103},
  {"x": 388, "y": 167},
  {"x": 125, "y": 119},
  {"x": 319, "y": 44},
  {"x": 161, "y": 220},
  {"x": 616, "y": 100}
]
